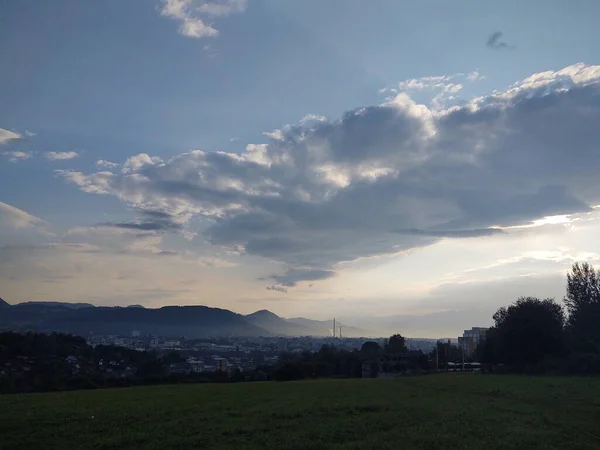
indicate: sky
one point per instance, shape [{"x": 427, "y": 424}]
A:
[{"x": 430, "y": 160}]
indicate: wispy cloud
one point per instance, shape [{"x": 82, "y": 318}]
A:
[
  {"x": 195, "y": 16},
  {"x": 57, "y": 156},
  {"x": 17, "y": 218},
  {"x": 16, "y": 156},
  {"x": 107, "y": 164},
  {"x": 7, "y": 135},
  {"x": 494, "y": 42}
]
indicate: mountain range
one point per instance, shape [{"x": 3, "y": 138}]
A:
[{"x": 191, "y": 321}]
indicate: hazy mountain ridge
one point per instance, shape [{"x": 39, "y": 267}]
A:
[
  {"x": 276, "y": 325},
  {"x": 191, "y": 321},
  {"x": 85, "y": 318}
]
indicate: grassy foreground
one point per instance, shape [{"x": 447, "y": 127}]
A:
[{"x": 447, "y": 411}]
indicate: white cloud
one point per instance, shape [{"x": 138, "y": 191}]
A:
[
  {"x": 17, "y": 218},
  {"x": 15, "y": 156},
  {"x": 425, "y": 82},
  {"x": 446, "y": 87},
  {"x": 56, "y": 156},
  {"x": 384, "y": 179},
  {"x": 97, "y": 183},
  {"x": 313, "y": 117},
  {"x": 7, "y": 135},
  {"x": 107, "y": 164},
  {"x": 138, "y": 161},
  {"x": 195, "y": 16}
]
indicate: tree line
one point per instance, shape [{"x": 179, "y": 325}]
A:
[
  {"x": 542, "y": 336},
  {"x": 529, "y": 336}
]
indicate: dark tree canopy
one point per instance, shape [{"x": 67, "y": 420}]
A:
[
  {"x": 583, "y": 288},
  {"x": 396, "y": 344},
  {"x": 371, "y": 348},
  {"x": 528, "y": 331},
  {"x": 583, "y": 303}
]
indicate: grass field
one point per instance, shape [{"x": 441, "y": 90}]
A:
[{"x": 447, "y": 411}]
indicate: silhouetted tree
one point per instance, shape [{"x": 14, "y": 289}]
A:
[
  {"x": 371, "y": 348},
  {"x": 396, "y": 344},
  {"x": 446, "y": 352},
  {"x": 527, "y": 332},
  {"x": 583, "y": 304}
]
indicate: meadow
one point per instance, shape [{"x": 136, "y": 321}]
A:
[{"x": 445, "y": 411}]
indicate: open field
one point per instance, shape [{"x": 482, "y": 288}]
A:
[{"x": 447, "y": 411}]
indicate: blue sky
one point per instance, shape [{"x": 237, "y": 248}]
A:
[{"x": 110, "y": 81}]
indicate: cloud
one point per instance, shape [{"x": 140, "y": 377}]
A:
[
  {"x": 16, "y": 156},
  {"x": 18, "y": 218},
  {"x": 56, "y": 156},
  {"x": 107, "y": 164},
  {"x": 292, "y": 277},
  {"x": 277, "y": 288},
  {"x": 446, "y": 87},
  {"x": 150, "y": 221},
  {"x": 7, "y": 135},
  {"x": 495, "y": 43},
  {"x": 195, "y": 16},
  {"x": 384, "y": 179},
  {"x": 216, "y": 263},
  {"x": 138, "y": 161}
]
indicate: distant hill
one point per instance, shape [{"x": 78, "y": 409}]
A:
[
  {"x": 191, "y": 321},
  {"x": 56, "y": 305},
  {"x": 4, "y": 304},
  {"x": 276, "y": 325}
]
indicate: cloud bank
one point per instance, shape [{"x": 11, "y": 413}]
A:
[{"x": 380, "y": 180}]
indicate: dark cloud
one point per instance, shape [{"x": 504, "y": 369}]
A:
[
  {"x": 143, "y": 226},
  {"x": 292, "y": 277},
  {"x": 150, "y": 221},
  {"x": 495, "y": 42},
  {"x": 452, "y": 233},
  {"x": 277, "y": 288},
  {"x": 383, "y": 179}
]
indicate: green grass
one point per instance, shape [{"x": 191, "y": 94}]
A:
[{"x": 447, "y": 411}]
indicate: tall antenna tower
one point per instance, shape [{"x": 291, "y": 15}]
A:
[{"x": 334, "y": 327}]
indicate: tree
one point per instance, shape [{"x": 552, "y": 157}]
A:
[
  {"x": 446, "y": 352},
  {"x": 371, "y": 348},
  {"x": 527, "y": 332},
  {"x": 396, "y": 344},
  {"x": 583, "y": 304}
]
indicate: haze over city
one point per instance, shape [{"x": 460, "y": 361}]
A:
[{"x": 256, "y": 155}]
